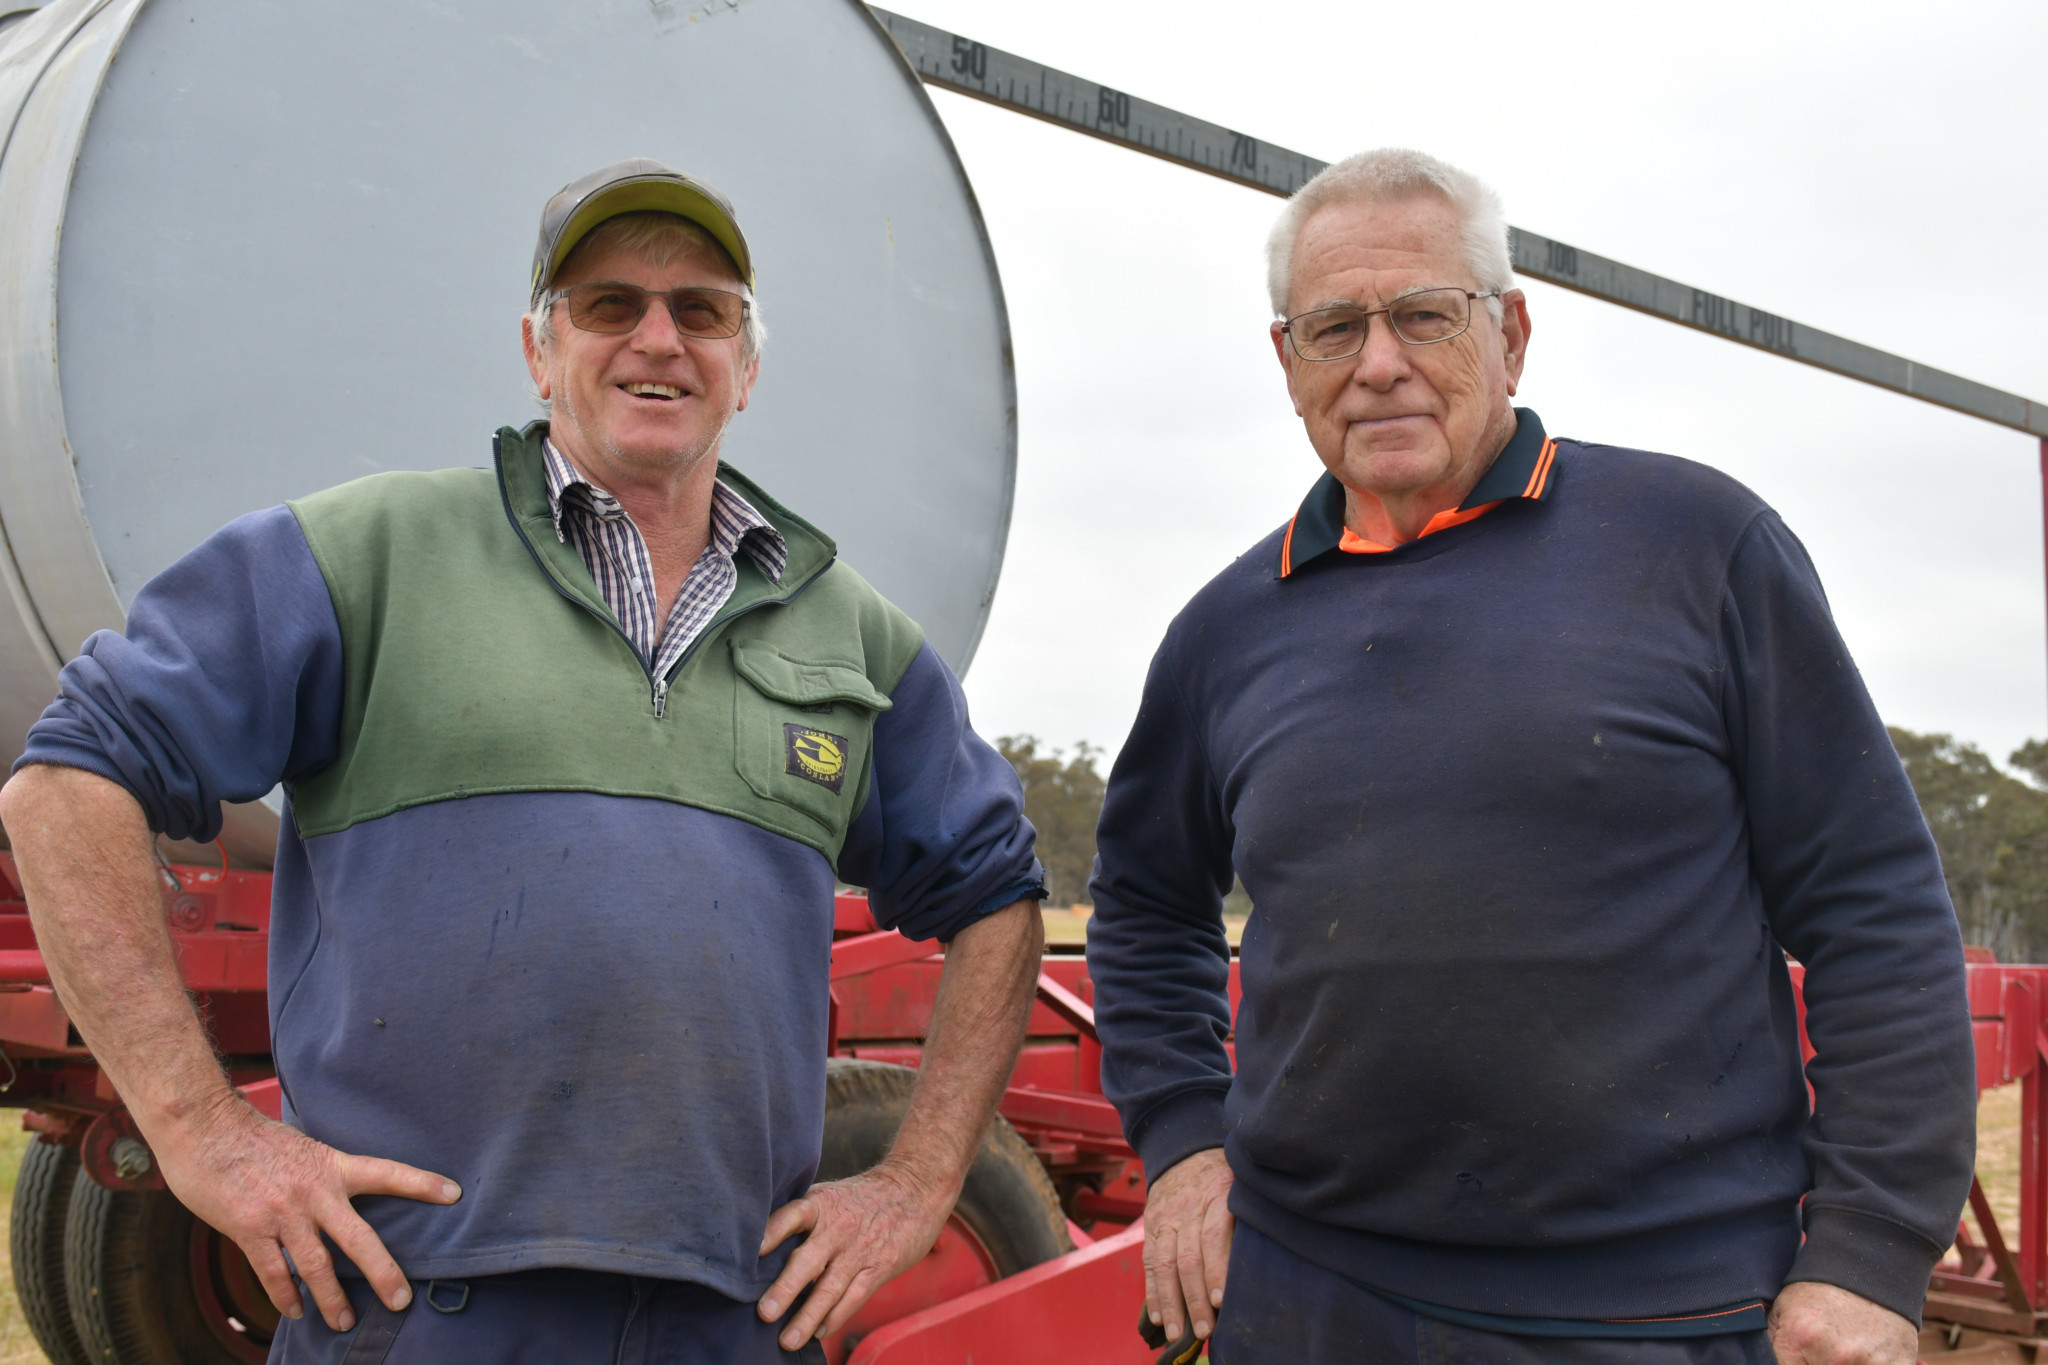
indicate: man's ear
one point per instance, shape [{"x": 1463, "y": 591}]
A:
[
  {"x": 1280, "y": 353},
  {"x": 536, "y": 359},
  {"x": 747, "y": 378},
  {"x": 1514, "y": 335}
]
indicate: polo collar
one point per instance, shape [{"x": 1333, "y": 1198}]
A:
[{"x": 1521, "y": 470}]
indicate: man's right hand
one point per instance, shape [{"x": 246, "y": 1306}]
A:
[
  {"x": 89, "y": 871},
  {"x": 1188, "y": 1228},
  {"x": 275, "y": 1190}
]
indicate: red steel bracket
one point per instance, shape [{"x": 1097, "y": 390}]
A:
[
  {"x": 872, "y": 952},
  {"x": 1082, "y": 1306},
  {"x": 1068, "y": 1006}
]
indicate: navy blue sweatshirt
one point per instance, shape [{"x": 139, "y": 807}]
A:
[{"x": 1532, "y": 809}]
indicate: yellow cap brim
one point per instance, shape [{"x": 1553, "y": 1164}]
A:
[{"x": 655, "y": 194}]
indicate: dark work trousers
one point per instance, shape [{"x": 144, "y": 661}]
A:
[
  {"x": 542, "y": 1317},
  {"x": 1281, "y": 1310}
]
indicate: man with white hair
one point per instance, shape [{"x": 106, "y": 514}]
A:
[
  {"x": 1537, "y": 758},
  {"x": 575, "y": 746}
]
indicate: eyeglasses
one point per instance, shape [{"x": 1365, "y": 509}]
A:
[
  {"x": 1422, "y": 318},
  {"x": 610, "y": 308}
]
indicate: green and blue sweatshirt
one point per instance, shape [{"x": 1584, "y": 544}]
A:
[
  {"x": 537, "y": 926},
  {"x": 1531, "y": 810}
]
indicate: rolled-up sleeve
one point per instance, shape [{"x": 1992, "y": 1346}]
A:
[
  {"x": 227, "y": 680},
  {"x": 942, "y": 840}
]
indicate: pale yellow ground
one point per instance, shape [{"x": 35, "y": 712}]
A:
[
  {"x": 1998, "y": 1158},
  {"x": 1998, "y": 1122},
  {"x": 1071, "y": 926}
]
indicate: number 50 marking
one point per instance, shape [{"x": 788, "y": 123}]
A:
[{"x": 970, "y": 59}]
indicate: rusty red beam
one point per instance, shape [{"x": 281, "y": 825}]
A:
[
  {"x": 2002, "y": 1261},
  {"x": 2033, "y": 1229},
  {"x": 1068, "y": 1006},
  {"x": 872, "y": 952},
  {"x": 23, "y": 967},
  {"x": 1088, "y": 1114},
  {"x": 1082, "y": 1306}
]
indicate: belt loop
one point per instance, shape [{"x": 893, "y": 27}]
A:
[{"x": 438, "y": 1306}]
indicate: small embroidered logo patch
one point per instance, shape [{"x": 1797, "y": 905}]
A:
[{"x": 816, "y": 755}]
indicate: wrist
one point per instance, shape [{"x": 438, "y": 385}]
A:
[
  {"x": 193, "y": 1118},
  {"x": 933, "y": 1185}
]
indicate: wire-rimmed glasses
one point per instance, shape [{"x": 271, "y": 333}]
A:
[{"x": 1421, "y": 318}]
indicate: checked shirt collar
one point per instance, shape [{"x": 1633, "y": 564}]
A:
[{"x": 615, "y": 552}]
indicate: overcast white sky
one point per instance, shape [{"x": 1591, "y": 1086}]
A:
[{"x": 1875, "y": 170}]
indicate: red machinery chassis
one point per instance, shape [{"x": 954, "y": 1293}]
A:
[{"x": 1989, "y": 1299}]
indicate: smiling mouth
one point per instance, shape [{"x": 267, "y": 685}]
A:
[{"x": 660, "y": 392}]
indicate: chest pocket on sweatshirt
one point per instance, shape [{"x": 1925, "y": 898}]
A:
[{"x": 802, "y": 730}]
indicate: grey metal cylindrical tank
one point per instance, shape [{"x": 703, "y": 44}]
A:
[{"x": 252, "y": 250}]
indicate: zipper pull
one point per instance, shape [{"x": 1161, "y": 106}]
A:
[{"x": 660, "y": 697}]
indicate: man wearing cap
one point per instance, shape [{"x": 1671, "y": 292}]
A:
[
  {"x": 1537, "y": 757},
  {"x": 574, "y": 747}
]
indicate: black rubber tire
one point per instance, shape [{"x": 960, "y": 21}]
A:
[
  {"x": 42, "y": 1200},
  {"x": 128, "y": 1269},
  {"x": 1008, "y": 1202}
]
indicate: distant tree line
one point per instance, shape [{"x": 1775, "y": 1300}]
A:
[
  {"x": 1992, "y": 830},
  {"x": 1990, "y": 825},
  {"x": 1063, "y": 800}
]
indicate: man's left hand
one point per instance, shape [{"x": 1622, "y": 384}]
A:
[
  {"x": 1822, "y": 1324},
  {"x": 867, "y": 1230},
  {"x": 864, "y": 1232}
]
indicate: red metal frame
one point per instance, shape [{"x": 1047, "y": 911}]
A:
[
  {"x": 220, "y": 930},
  {"x": 1987, "y": 1284},
  {"x": 1079, "y": 1308}
]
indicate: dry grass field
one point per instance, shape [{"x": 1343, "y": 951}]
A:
[
  {"x": 1071, "y": 925},
  {"x": 1997, "y": 1164},
  {"x": 1998, "y": 1157}
]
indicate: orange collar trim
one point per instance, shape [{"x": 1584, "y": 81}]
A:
[
  {"x": 1524, "y": 470},
  {"x": 1351, "y": 543}
]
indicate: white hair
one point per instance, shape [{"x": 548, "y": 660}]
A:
[
  {"x": 1394, "y": 173},
  {"x": 660, "y": 238}
]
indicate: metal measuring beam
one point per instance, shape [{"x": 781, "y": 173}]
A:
[{"x": 957, "y": 63}]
